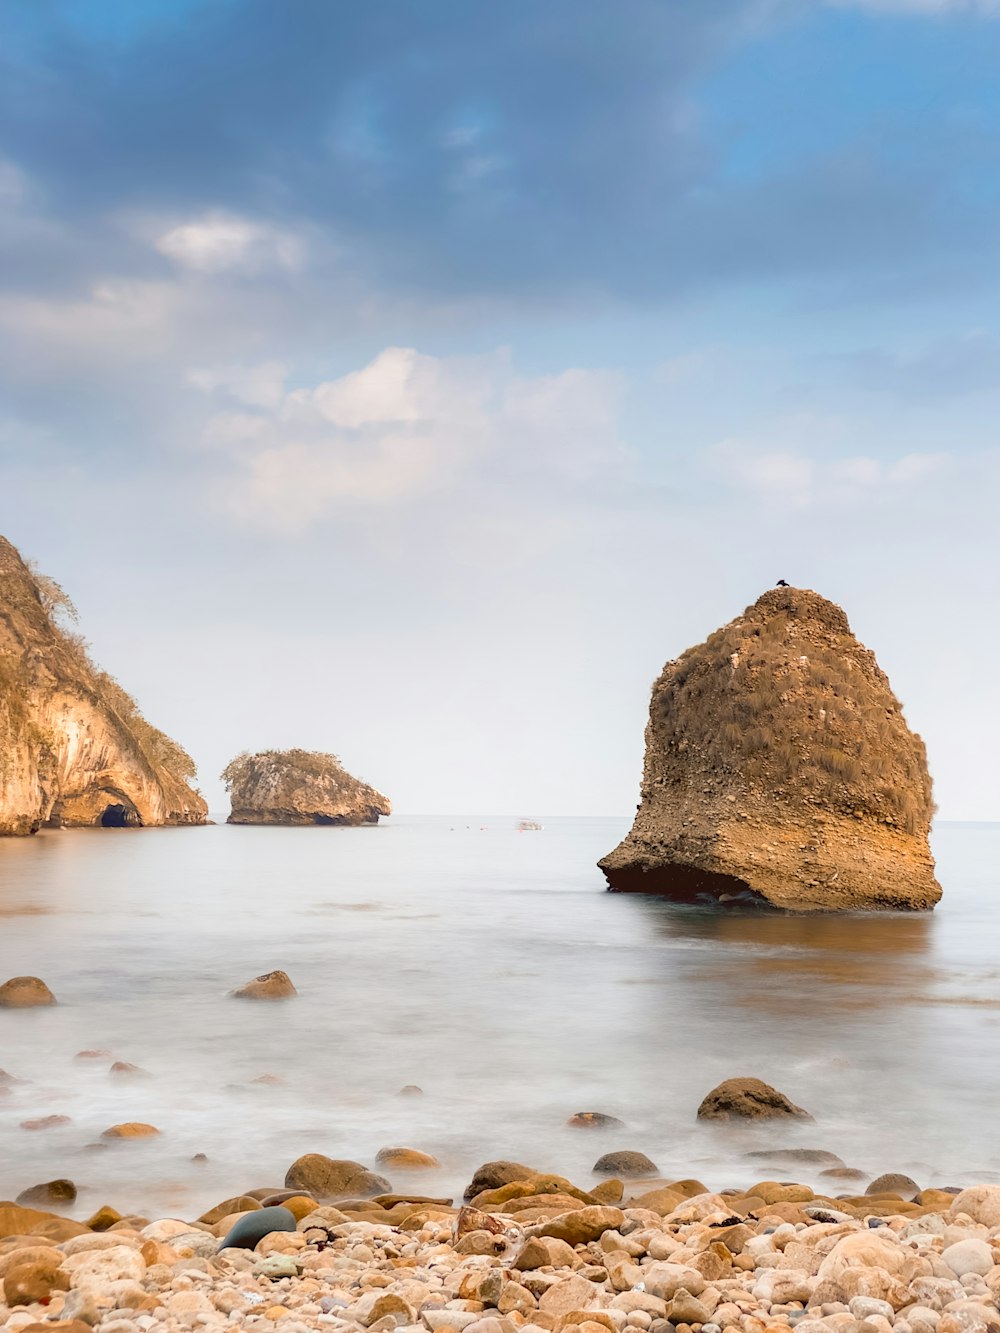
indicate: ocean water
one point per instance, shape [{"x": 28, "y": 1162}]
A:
[{"x": 489, "y": 967}]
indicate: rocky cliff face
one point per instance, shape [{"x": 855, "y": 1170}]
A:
[
  {"x": 779, "y": 768},
  {"x": 74, "y": 749},
  {"x": 299, "y": 787}
]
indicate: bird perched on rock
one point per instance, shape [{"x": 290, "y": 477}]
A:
[{"x": 781, "y": 584}]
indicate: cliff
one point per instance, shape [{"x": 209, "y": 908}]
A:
[
  {"x": 74, "y": 748},
  {"x": 779, "y": 768},
  {"x": 299, "y": 787}
]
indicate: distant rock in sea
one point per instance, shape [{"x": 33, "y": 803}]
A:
[
  {"x": 299, "y": 787},
  {"x": 779, "y": 769},
  {"x": 74, "y": 748}
]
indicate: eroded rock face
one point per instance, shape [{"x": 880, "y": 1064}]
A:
[
  {"x": 299, "y": 787},
  {"x": 779, "y": 770},
  {"x": 74, "y": 748}
]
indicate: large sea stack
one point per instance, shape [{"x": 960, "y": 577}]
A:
[
  {"x": 299, "y": 787},
  {"x": 779, "y": 769},
  {"x": 74, "y": 748}
]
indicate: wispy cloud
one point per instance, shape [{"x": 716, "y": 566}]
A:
[{"x": 220, "y": 242}]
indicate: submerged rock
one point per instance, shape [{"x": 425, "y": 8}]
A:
[
  {"x": 299, "y": 787},
  {"x": 76, "y": 749},
  {"x": 748, "y": 1099},
  {"x": 779, "y": 770}
]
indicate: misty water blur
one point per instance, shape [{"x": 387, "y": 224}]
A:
[{"x": 489, "y": 967}]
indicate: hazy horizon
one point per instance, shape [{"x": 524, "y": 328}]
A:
[{"x": 413, "y": 382}]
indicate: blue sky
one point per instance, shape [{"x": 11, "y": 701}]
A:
[{"x": 412, "y": 379}]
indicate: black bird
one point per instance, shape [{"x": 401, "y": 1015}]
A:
[{"x": 781, "y": 584}]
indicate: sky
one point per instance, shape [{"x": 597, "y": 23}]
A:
[{"x": 410, "y": 380}]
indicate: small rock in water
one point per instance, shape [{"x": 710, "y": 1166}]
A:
[
  {"x": 410, "y": 1090},
  {"x": 46, "y": 1122},
  {"x": 893, "y": 1183},
  {"x": 333, "y": 1178},
  {"x": 628, "y": 1164},
  {"x": 51, "y": 1192},
  {"x": 92, "y": 1055},
  {"x": 254, "y": 1226},
  {"x": 275, "y": 985},
  {"x": 747, "y": 1099},
  {"x": 594, "y": 1120},
  {"x": 410, "y": 1158},
  {"x": 25, "y": 993},
  {"x": 122, "y": 1067},
  {"x": 131, "y": 1129}
]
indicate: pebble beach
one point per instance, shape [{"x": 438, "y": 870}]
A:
[{"x": 534, "y": 1253}]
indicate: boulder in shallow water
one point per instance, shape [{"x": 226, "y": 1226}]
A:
[
  {"x": 411, "y": 1159},
  {"x": 780, "y": 771},
  {"x": 252, "y": 1227},
  {"x": 49, "y": 1194},
  {"x": 594, "y": 1120},
  {"x": 748, "y": 1099},
  {"x": 275, "y": 985},
  {"x": 25, "y": 993},
  {"x": 323, "y": 1178},
  {"x": 131, "y": 1129},
  {"x": 630, "y": 1165},
  {"x": 894, "y": 1183}
]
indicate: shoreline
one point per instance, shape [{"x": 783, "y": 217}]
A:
[{"x": 525, "y": 1251}]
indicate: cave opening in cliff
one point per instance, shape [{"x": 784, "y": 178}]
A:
[{"x": 120, "y": 816}]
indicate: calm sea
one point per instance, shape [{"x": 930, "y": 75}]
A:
[{"x": 489, "y": 967}]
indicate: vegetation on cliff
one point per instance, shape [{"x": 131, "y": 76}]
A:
[
  {"x": 299, "y": 787},
  {"x": 74, "y": 746}
]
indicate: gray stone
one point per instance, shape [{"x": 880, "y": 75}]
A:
[{"x": 253, "y": 1227}]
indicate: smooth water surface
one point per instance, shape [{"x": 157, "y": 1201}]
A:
[{"x": 489, "y": 967}]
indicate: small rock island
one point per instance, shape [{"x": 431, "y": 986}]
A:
[
  {"x": 780, "y": 770},
  {"x": 299, "y": 787},
  {"x": 74, "y": 748}
]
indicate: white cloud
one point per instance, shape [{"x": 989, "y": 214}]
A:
[
  {"x": 117, "y": 315},
  {"x": 221, "y": 242},
  {"x": 402, "y": 426},
  {"x": 257, "y": 386},
  {"x": 801, "y": 464}
]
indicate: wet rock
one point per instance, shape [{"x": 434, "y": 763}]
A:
[
  {"x": 49, "y": 1194},
  {"x": 334, "y": 1178},
  {"x": 253, "y": 1226},
  {"x": 123, "y": 1069},
  {"x": 893, "y": 1183},
  {"x": 131, "y": 1129},
  {"x": 92, "y": 1055},
  {"x": 491, "y": 1175},
  {"x": 46, "y": 1122},
  {"x": 627, "y": 1164},
  {"x": 268, "y": 986},
  {"x": 594, "y": 1120},
  {"x": 410, "y": 1090},
  {"x": 797, "y": 1156},
  {"x": 410, "y": 1159},
  {"x": 104, "y": 1218},
  {"x": 747, "y": 1099},
  {"x": 25, "y": 993}
]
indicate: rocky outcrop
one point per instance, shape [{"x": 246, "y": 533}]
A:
[
  {"x": 74, "y": 748},
  {"x": 779, "y": 769},
  {"x": 299, "y": 787}
]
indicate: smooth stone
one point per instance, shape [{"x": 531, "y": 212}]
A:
[
  {"x": 894, "y": 1183},
  {"x": 627, "y": 1164},
  {"x": 594, "y": 1120},
  {"x": 747, "y": 1099},
  {"x": 25, "y": 993},
  {"x": 51, "y": 1192},
  {"x": 254, "y": 1226},
  {"x": 275, "y": 985}
]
